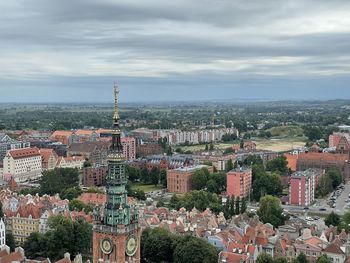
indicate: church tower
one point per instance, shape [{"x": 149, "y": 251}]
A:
[{"x": 116, "y": 233}]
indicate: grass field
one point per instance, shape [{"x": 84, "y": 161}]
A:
[
  {"x": 145, "y": 187},
  {"x": 280, "y": 145},
  {"x": 273, "y": 144}
]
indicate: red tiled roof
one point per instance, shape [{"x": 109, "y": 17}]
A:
[
  {"x": 233, "y": 258},
  {"x": 15, "y": 256},
  {"x": 330, "y": 157},
  {"x": 93, "y": 198},
  {"x": 24, "y": 153},
  {"x": 46, "y": 154},
  {"x": 333, "y": 248}
]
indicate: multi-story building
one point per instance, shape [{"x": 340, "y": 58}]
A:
[
  {"x": 324, "y": 161},
  {"x": 7, "y": 143},
  {"x": 129, "y": 148},
  {"x": 64, "y": 137},
  {"x": 22, "y": 164},
  {"x": 70, "y": 162},
  {"x": 49, "y": 159},
  {"x": 94, "y": 176},
  {"x": 95, "y": 152},
  {"x": 302, "y": 188},
  {"x": 2, "y": 233},
  {"x": 239, "y": 182},
  {"x": 335, "y": 138},
  {"x": 180, "y": 180}
]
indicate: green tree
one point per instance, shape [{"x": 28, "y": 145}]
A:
[
  {"x": 229, "y": 166},
  {"x": 175, "y": 202},
  {"x": 278, "y": 164},
  {"x": 211, "y": 146},
  {"x": 169, "y": 151},
  {"x": 163, "y": 178},
  {"x": 241, "y": 144},
  {"x": 10, "y": 241},
  {"x": 65, "y": 236},
  {"x": 201, "y": 200},
  {"x": 57, "y": 180},
  {"x": 157, "y": 245},
  {"x": 323, "y": 259},
  {"x": 237, "y": 206},
  {"x": 271, "y": 211},
  {"x": 301, "y": 258},
  {"x": 160, "y": 203},
  {"x": 200, "y": 178},
  {"x": 243, "y": 205},
  {"x": 77, "y": 205},
  {"x": 71, "y": 193},
  {"x": 264, "y": 258},
  {"x": 194, "y": 250},
  {"x": 132, "y": 173},
  {"x": 1, "y": 212},
  {"x": 145, "y": 178},
  {"x": 280, "y": 260},
  {"x": 266, "y": 183},
  {"x": 325, "y": 185},
  {"x": 212, "y": 186},
  {"x": 220, "y": 180},
  {"x": 332, "y": 219},
  {"x": 336, "y": 177},
  {"x": 253, "y": 160},
  {"x": 154, "y": 175}
]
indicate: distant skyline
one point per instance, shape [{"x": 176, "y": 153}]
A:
[{"x": 73, "y": 51}]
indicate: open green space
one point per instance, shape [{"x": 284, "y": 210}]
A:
[{"x": 286, "y": 131}]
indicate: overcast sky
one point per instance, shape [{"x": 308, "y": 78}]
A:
[{"x": 73, "y": 50}]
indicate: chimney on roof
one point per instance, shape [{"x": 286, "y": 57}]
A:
[{"x": 67, "y": 255}]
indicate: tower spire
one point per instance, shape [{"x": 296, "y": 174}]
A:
[
  {"x": 116, "y": 146},
  {"x": 116, "y": 116}
]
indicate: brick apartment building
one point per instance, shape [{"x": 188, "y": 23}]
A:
[
  {"x": 302, "y": 187},
  {"x": 180, "y": 180},
  {"x": 324, "y": 161},
  {"x": 94, "y": 176},
  {"x": 239, "y": 182}
]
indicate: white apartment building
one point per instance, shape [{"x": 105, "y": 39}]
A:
[
  {"x": 2, "y": 233},
  {"x": 22, "y": 164}
]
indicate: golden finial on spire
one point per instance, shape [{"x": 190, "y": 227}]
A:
[{"x": 116, "y": 116}]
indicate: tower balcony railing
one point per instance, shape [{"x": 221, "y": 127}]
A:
[{"x": 119, "y": 229}]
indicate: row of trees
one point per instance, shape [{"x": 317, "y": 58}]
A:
[
  {"x": 158, "y": 245},
  {"x": 65, "y": 235},
  {"x": 341, "y": 222},
  {"x": 328, "y": 182},
  {"x": 155, "y": 176},
  {"x": 198, "y": 199},
  {"x": 234, "y": 206}
]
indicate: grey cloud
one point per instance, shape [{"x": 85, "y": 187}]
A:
[{"x": 237, "y": 43}]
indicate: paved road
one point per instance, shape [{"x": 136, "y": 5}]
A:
[{"x": 340, "y": 203}]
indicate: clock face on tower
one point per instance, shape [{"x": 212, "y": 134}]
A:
[
  {"x": 131, "y": 245},
  {"x": 106, "y": 246}
]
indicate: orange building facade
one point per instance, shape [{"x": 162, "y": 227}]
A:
[
  {"x": 180, "y": 180},
  {"x": 239, "y": 182}
]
